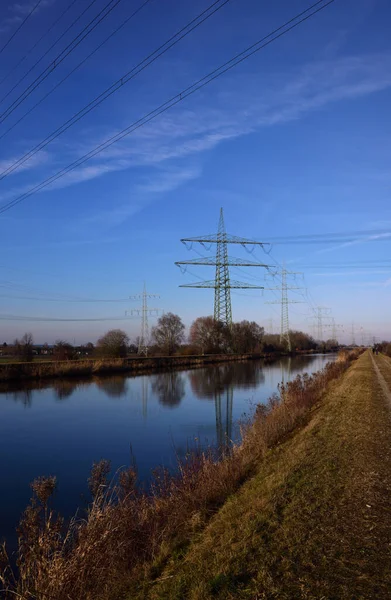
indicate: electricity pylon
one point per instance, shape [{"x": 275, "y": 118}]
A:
[
  {"x": 353, "y": 334},
  {"x": 144, "y": 312},
  {"x": 334, "y": 328},
  {"x": 222, "y": 283},
  {"x": 284, "y": 332},
  {"x": 320, "y": 313}
]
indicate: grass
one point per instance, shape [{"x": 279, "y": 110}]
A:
[
  {"x": 282, "y": 516},
  {"x": 313, "y": 523}
]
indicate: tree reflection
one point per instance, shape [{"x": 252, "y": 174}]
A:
[
  {"x": 205, "y": 383},
  {"x": 24, "y": 396},
  {"x": 169, "y": 388},
  {"x": 114, "y": 387},
  {"x": 64, "y": 388}
]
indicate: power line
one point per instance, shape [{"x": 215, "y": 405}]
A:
[
  {"x": 43, "y": 299},
  {"x": 20, "y": 26},
  {"x": 47, "y": 319},
  {"x": 174, "y": 100},
  {"x": 60, "y": 58},
  {"x": 28, "y": 53},
  {"x": 136, "y": 70},
  {"x": 58, "y": 84},
  {"x": 47, "y": 51}
]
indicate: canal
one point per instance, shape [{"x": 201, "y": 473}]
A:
[{"x": 61, "y": 427}]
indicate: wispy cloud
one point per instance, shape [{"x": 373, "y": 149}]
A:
[
  {"x": 140, "y": 196},
  {"x": 18, "y": 11},
  {"x": 227, "y": 115},
  {"x": 360, "y": 240},
  {"x": 39, "y": 159}
]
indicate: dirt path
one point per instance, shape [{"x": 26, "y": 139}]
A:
[{"x": 383, "y": 383}]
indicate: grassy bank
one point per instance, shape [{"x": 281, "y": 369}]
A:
[
  {"x": 313, "y": 522},
  {"x": 213, "y": 530}
]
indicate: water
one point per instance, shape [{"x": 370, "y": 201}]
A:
[{"x": 61, "y": 427}]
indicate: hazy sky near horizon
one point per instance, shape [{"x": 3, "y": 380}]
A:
[{"x": 294, "y": 141}]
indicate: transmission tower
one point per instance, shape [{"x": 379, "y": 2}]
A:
[
  {"x": 321, "y": 313},
  {"x": 353, "y": 334},
  {"x": 334, "y": 328},
  {"x": 284, "y": 332},
  {"x": 222, "y": 283},
  {"x": 144, "y": 312}
]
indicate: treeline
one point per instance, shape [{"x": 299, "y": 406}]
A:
[
  {"x": 385, "y": 347},
  {"x": 206, "y": 336}
]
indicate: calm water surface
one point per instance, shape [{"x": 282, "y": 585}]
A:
[{"x": 64, "y": 426}]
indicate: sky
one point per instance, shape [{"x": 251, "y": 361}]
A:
[{"x": 294, "y": 141}]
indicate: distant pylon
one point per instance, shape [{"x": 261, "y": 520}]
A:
[
  {"x": 321, "y": 313},
  {"x": 143, "y": 343},
  {"x": 222, "y": 283},
  {"x": 353, "y": 335},
  {"x": 284, "y": 332}
]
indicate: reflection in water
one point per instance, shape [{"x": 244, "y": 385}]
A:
[
  {"x": 24, "y": 396},
  {"x": 169, "y": 388},
  {"x": 114, "y": 387},
  {"x": 205, "y": 382},
  {"x": 223, "y": 406},
  {"x": 64, "y": 388},
  {"x": 218, "y": 382},
  {"x": 286, "y": 369}
]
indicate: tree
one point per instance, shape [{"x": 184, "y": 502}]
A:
[
  {"x": 168, "y": 334},
  {"x": 63, "y": 351},
  {"x": 247, "y": 337},
  {"x": 207, "y": 335},
  {"x": 114, "y": 344},
  {"x": 23, "y": 348}
]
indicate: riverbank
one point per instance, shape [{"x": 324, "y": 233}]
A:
[
  {"x": 302, "y": 454},
  {"x": 313, "y": 521},
  {"x": 24, "y": 371}
]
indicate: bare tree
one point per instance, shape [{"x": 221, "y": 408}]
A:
[
  {"x": 23, "y": 348},
  {"x": 114, "y": 344},
  {"x": 168, "y": 334},
  {"x": 247, "y": 337},
  {"x": 63, "y": 351},
  {"x": 208, "y": 335}
]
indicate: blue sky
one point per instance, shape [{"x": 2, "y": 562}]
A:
[{"x": 294, "y": 141}]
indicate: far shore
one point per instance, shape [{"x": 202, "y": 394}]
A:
[{"x": 27, "y": 371}]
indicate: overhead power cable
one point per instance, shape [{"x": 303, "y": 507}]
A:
[
  {"x": 103, "y": 13},
  {"x": 136, "y": 70},
  {"x": 28, "y": 53},
  {"x": 47, "y": 319},
  {"x": 47, "y": 51},
  {"x": 174, "y": 100},
  {"x": 43, "y": 299},
  {"x": 81, "y": 63},
  {"x": 34, "y": 8}
]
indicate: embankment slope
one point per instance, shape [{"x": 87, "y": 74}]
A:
[{"x": 314, "y": 521}]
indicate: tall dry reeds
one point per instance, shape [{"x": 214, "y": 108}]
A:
[{"x": 128, "y": 534}]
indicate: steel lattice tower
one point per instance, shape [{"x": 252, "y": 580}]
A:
[
  {"x": 222, "y": 307},
  {"x": 321, "y": 313},
  {"x": 284, "y": 331},
  {"x": 222, "y": 283},
  {"x": 144, "y": 311}
]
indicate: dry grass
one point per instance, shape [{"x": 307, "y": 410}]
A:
[
  {"x": 312, "y": 524},
  {"x": 129, "y": 537}
]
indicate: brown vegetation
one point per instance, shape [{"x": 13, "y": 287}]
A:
[{"x": 129, "y": 535}]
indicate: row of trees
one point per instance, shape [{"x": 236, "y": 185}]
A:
[{"x": 206, "y": 336}]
